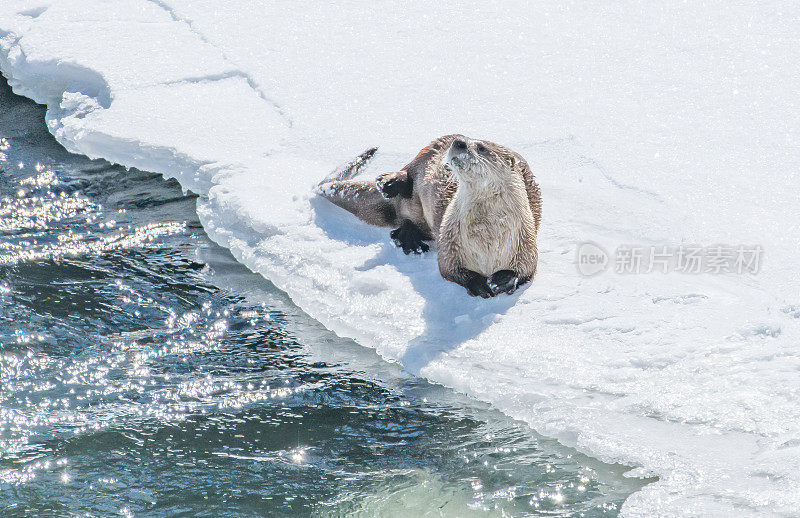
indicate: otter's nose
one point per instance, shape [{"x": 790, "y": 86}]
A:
[{"x": 459, "y": 145}]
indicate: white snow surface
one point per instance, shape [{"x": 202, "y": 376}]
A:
[{"x": 645, "y": 123}]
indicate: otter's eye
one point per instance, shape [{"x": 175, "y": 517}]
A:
[
  {"x": 482, "y": 149},
  {"x": 459, "y": 144}
]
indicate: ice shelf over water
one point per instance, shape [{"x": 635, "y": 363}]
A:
[{"x": 646, "y": 124}]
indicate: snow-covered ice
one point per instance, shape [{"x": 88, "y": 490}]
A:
[{"x": 645, "y": 123}]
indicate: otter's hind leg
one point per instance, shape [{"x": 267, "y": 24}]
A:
[{"x": 361, "y": 199}]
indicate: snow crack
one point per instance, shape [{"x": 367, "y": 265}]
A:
[{"x": 247, "y": 77}]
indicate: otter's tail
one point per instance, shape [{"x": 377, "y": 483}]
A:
[
  {"x": 351, "y": 169},
  {"x": 361, "y": 198}
]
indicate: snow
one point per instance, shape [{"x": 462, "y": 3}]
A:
[{"x": 646, "y": 124}]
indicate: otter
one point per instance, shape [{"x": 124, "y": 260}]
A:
[{"x": 478, "y": 201}]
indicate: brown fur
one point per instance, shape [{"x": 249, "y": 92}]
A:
[{"x": 488, "y": 219}]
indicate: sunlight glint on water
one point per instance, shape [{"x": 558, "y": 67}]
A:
[
  {"x": 37, "y": 204},
  {"x": 145, "y": 373}
]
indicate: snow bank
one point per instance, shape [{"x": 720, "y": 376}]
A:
[{"x": 646, "y": 124}]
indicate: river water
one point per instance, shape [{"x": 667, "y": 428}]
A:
[{"x": 143, "y": 372}]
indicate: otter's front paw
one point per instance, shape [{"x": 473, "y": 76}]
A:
[
  {"x": 409, "y": 238},
  {"x": 504, "y": 281},
  {"x": 393, "y": 184},
  {"x": 478, "y": 286}
]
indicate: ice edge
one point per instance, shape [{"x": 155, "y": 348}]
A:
[{"x": 185, "y": 169}]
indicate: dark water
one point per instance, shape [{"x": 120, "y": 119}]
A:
[{"x": 143, "y": 372}]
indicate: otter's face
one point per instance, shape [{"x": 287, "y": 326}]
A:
[{"x": 475, "y": 162}]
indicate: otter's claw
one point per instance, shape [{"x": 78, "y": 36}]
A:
[
  {"x": 409, "y": 238},
  {"x": 504, "y": 281},
  {"x": 478, "y": 286}
]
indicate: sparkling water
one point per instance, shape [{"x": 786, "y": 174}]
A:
[{"x": 143, "y": 372}]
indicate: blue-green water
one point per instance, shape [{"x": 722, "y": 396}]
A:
[{"x": 144, "y": 373}]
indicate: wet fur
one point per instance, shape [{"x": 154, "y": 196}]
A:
[{"x": 485, "y": 223}]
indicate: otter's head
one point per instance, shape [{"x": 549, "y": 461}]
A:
[{"x": 478, "y": 164}]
